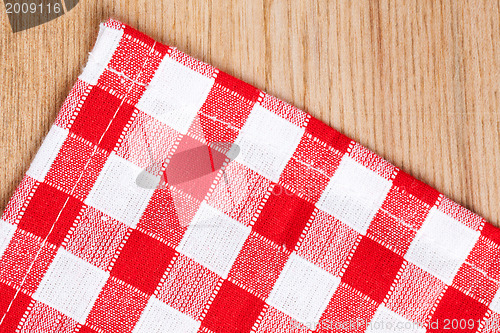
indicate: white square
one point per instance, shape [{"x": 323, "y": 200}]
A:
[
  {"x": 441, "y": 245},
  {"x": 107, "y": 42},
  {"x": 267, "y": 142},
  {"x": 7, "y": 231},
  {"x": 214, "y": 239},
  {"x": 71, "y": 285},
  {"x": 385, "y": 320},
  {"x": 116, "y": 191},
  {"x": 303, "y": 290},
  {"x": 158, "y": 317},
  {"x": 354, "y": 194},
  {"x": 47, "y": 153},
  {"x": 175, "y": 94}
]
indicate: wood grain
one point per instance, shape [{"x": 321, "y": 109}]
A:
[{"x": 415, "y": 81}]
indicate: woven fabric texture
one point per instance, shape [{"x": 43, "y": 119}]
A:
[{"x": 169, "y": 196}]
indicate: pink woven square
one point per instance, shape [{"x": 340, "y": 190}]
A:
[{"x": 169, "y": 196}]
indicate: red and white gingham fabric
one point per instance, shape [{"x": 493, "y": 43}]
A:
[{"x": 171, "y": 197}]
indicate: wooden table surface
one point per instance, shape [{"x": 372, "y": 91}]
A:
[{"x": 415, "y": 81}]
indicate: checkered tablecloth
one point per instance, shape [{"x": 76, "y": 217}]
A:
[{"x": 169, "y": 196}]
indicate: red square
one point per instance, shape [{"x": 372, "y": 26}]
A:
[
  {"x": 50, "y": 213},
  {"x": 95, "y": 114},
  {"x": 102, "y": 118},
  {"x": 226, "y": 107},
  {"x": 138, "y": 36},
  {"x": 415, "y": 294},
  {"x": 406, "y": 208},
  {"x": 129, "y": 57},
  {"x": 316, "y": 155},
  {"x": 209, "y": 129},
  {"x": 348, "y": 311},
  {"x": 76, "y": 167},
  {"x": 118, "y": 308},
  {"x": 239, "y": 192},
  {"x": 168, "y": 214},
  {"x": 372, "y": 269},
  {"x": 112, "y": 134},
  {"x": 456, "y": 306},
  {"x": 477, "y": 285},
  {"x": 142, "y": 261},
  {"x": 193, "y": 167},
  {"x": 121, "y": 87},
  {"x": 328, "y": 135},
  {"x": 188, "y": 287},
  {"x": 258, "y": 265},
  {"x": 241, "y": 88},
  {"x": 135, "y": 60},
  {"x": 415, "y": 187},
  {"x": 96, "y": 237},
  {"x": 328, "y": 243},
  {"x": 25, "y": 261},
  {"x": 283, "y": 217},
  {"x": 16, "y": 307},
  {"x": 233, "y": 310},
  {"x": 391, "y": 232},
  {"x": 310, "y": 168},
  {"x": 148, "y": 42},
  {"x": 303, "y": 180},
  {"x": 116, "y": 84}
]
